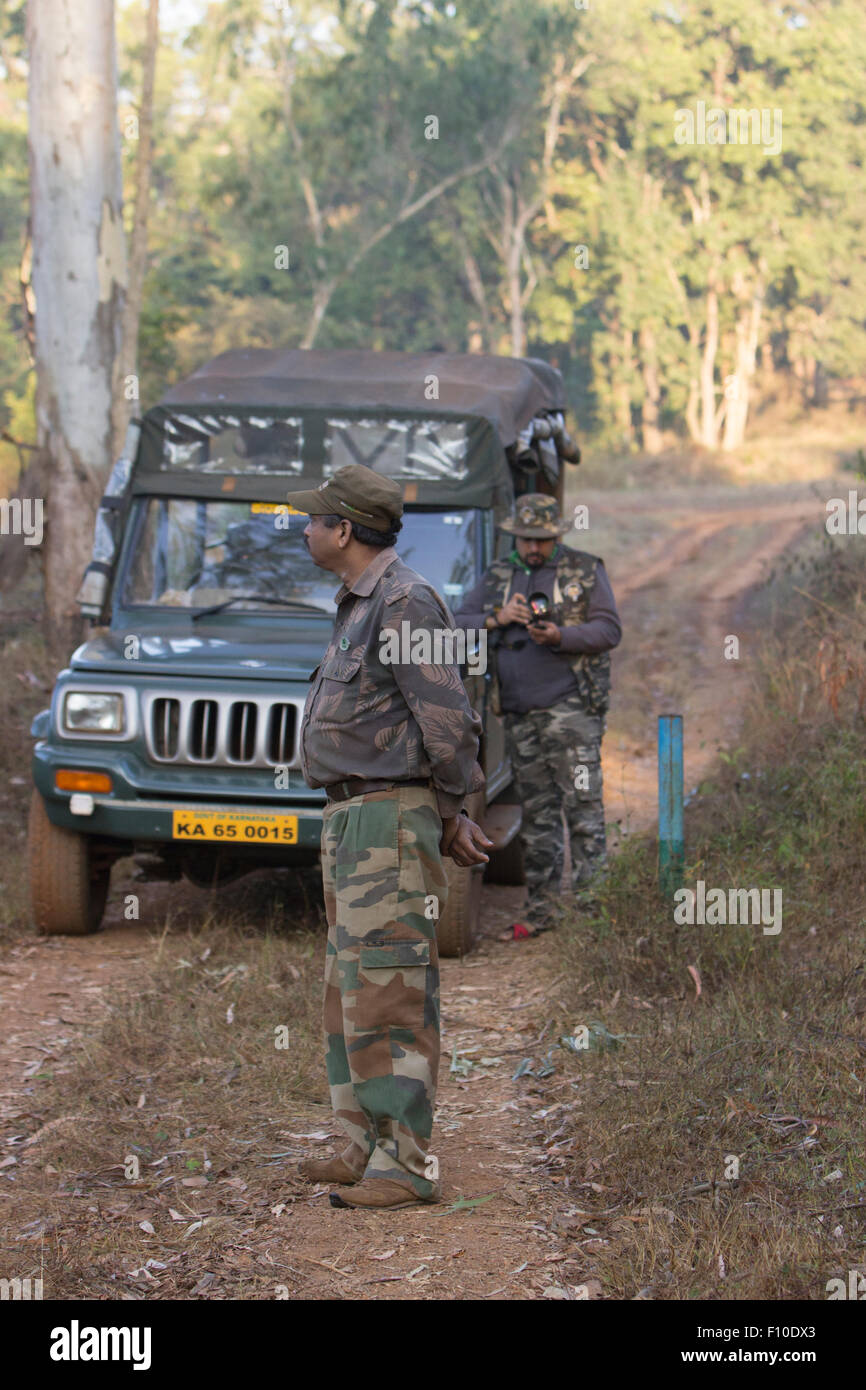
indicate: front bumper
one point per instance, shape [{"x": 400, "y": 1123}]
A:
[
  {"x": 136, "y": 812},
  {"x": 152, "y": 821}
]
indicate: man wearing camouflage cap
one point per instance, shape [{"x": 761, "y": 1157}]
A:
[
  {"x": 394, "y": 744},
  {"x": 553, "y": 667}
]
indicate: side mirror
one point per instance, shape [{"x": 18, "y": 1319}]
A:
[{"x": 41, "y": 726}]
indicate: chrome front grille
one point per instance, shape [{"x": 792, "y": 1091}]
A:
[
  {"x": 204, "y": 716},
  {"x": 242, "y": 731},
  {"x": 221, "y": 730},
  {"x": 164, "y": 719},
  {"x": 282, "y": 722}
]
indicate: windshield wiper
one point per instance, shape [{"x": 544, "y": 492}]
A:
[{"x": 258, "y": 598}]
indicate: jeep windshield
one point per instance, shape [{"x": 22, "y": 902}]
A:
[{"x": 199, "y": 554}]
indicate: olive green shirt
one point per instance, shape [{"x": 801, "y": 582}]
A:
[{"x": 391, "y": 720}]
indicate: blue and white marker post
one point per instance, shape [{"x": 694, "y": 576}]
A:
[{"x": 671, "y": 844}]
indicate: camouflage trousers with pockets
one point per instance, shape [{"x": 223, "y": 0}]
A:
[
  {"x": 384, "y": 888},
  {"x": 556, "y": 757}
]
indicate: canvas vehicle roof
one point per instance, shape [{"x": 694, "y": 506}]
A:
[
  {"x": 506, "y": 391},
  {"x": 254, "y": 424},
  {"x": 258, "y": 422}
]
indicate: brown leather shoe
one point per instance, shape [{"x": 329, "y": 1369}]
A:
[
  {"x": 379, "y": 1194},
  {"x": 327, "y": 1170}
]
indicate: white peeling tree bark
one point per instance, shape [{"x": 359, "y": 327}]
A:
[
  {"x": 709, "y": 423},
  {"x": 739, "y": 388},
  {"x": 78, "y": 278},
  {"x": 126, "y": 399}
]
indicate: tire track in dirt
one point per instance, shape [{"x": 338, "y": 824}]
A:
[
  {"x": 670, "y": 555},
  {"x": 715, "y": 600}
]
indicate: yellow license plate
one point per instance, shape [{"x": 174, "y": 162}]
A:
[{"x": 233, "y": 827}]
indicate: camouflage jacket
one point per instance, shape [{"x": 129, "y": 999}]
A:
[
  {"x": 575, "y": 580},
  {"x": 395, "y": 719}
]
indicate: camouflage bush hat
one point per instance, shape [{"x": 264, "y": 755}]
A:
[
  {"x": 356, "y": 493},
  {"x": 536, "y": 516}
]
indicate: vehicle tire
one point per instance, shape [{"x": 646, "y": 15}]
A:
[
  {"x": 506, "y": 865},
  {"x": 457, "y": 928},
  {"x": 67, "y": 889}
]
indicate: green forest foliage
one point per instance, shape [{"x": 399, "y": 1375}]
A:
[{"x": 299, "y": 197}]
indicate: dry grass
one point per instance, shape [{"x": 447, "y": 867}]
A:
[
  {"x": 25, "y": 688},
  {"x": 135, "y": 1152},
  {"x": 768, "y": 1062}
]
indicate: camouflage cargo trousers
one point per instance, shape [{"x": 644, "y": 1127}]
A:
[
  {"x": 556, "y": 757},
  {"x": 384, "y": 887}
]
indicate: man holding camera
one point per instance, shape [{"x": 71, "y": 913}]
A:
[{"x": 553, "y": 622}]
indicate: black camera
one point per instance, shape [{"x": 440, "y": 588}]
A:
[{"x": 540, "y": 607}]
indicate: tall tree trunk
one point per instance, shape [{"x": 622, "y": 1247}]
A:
[
  {"x": 478, "y": 333},
  {"x": 512, "y": 244},
  {"x": 79, "y": 278},
  {"x": 693, "y": 423},
  {"x": 737, "y": 391},
  {"x": 515, "y": 297},
  {"x": 519, "y": 209},
  {"x": 322, "y": 295},
  {"x": 693, "y": 418},
  {"x": 808, "y": 378},
  {"x": 621, "y": 386},
  {"x": 650, "y": 433},
  {"x": 709, "y": 430},
  {"x": 126, "y": 397}
]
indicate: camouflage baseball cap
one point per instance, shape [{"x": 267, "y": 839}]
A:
[
  {"x": 356, "y": 493},
  {"x": 535, "y": 516}
]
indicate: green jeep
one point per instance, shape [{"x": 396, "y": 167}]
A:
[{"x": 173, "y": 733}]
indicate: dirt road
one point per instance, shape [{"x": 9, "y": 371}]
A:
[{"x": 684, "y": 570}]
